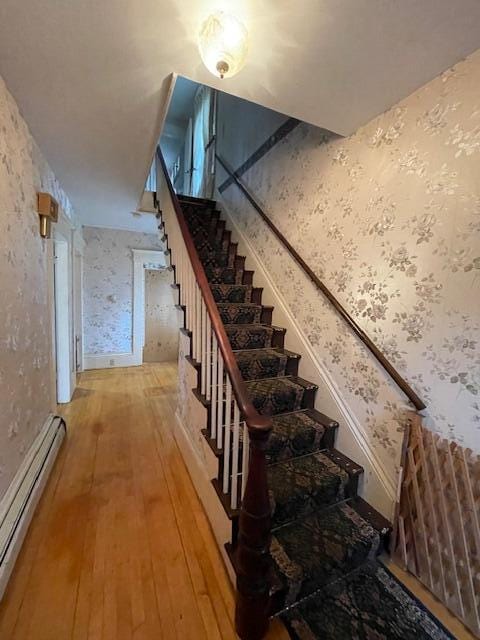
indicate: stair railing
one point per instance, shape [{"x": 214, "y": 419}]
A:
[
  {"x": 239, "y": 431},
  {"x": 359, "y": 332}
]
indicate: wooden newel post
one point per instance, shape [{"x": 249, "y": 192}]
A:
[{"x": 252, "y": 558}]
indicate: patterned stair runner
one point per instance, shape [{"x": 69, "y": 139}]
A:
[{"x": 327, "y": 580}]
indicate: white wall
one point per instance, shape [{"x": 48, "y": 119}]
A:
[{"x": 26, "y": 269}]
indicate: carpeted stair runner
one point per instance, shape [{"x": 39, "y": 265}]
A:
[{"x": 327, "y": 582}]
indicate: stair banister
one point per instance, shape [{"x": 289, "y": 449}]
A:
[
  {"x": 223, "y": 387},
  {"x": 371, "y": 346}
]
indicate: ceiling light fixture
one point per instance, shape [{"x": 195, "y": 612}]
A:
[{"x": 223, "y": 44}]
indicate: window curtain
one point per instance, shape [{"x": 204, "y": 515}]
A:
[{"x": 203, "y": 149}]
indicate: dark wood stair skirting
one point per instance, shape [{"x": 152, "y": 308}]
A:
[{"x": 325, "y": 538}]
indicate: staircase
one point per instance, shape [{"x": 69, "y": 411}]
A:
[
  {"x": 321, "y": 560},
  {"x": 325, "y": 538}
]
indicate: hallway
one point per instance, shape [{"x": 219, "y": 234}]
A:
[{"x": 120, "y": 546}]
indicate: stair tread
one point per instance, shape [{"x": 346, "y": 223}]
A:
[
  {"x": 250, "y": 335},
  {"x": 224, "y": 275},
  {"x": 231, "y": 292},
  {"x": 240, "y": 313},
  {"x": 320, "y": 548},
  {"x": 305, "y": 484},
  {"x": 368, "y": 603},
  {"x": 296, "y": 434},
  {"x": 271, "y": 396}
]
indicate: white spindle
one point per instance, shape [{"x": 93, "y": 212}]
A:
[
  {"x": 209, "y": 357},
  {"x": 228, "y": 433},
  {"x": 220, "y": 400},
  {"x": 181, "y": 279},
  {"x": 245, "y": 457},
  {"x": 193, "y": 317},
  {"x": 191, "y": 290},
  {"x": 213, "y": 405},
  {"x": 235, "y": 456},
  {"x": 198, "y": 328},
  {"x": 204, "y": 349}
]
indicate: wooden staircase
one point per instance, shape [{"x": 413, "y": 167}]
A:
[{"x": 300, "y": 534}]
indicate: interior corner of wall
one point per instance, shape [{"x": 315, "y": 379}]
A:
[{"x": 379, "y": 487}]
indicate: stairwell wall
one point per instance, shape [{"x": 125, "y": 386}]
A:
[
  {"x": 390, "y": 219},
  {"x": 27, "y": 386}
]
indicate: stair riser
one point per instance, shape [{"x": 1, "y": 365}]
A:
[
  {"x": 236, "y": 314},
  {"x": 247, "y": 277},
  {"x": 225, "y": 276}
]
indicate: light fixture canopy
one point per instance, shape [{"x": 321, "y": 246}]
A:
[{"x": 223, "y": 44}]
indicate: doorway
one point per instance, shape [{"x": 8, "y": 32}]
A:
[
  {"x": 161, "y": 318},
  {"x": 62, "y": 342}
]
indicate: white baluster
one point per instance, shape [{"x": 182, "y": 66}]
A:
[
  {"x": 228, "y": 433},
  {"x": 191, "y": 287},
  {"x": 245, "y": 456},
  {"x": 204, "y": 349},
  {"x": 235, "y": 456},
  {"x": 198, "y": 329},
  {"x": 213, "y": 404},
  {"x": 209, "y": 357},
  {"x": 193, "y": 318},
  {"x": 220, "y": 391}
]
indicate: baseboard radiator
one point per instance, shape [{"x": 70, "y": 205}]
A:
[{"x": 18, "y": 504}]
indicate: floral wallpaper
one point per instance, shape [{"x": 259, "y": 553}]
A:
[
  {"x": 161, "y": 321},
  {"x": 25, "y": 331},
  {"x": 389, "y": 218},
  {"x": 108, "y": 287}
]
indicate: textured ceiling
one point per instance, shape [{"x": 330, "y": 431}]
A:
[{"x": 91, "y": 78}]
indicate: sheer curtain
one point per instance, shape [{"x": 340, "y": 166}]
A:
[{"x": 202, "y": 172}]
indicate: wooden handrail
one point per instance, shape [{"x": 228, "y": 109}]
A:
[
  {"x": 252, "y": 417},
  {"x": 359, "y": 332},
  {"x": 252, "y": 558}
]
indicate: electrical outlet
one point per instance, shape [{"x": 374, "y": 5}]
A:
[{"x": 112, "y": 362}]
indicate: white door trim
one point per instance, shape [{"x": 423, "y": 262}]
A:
[
  {"x": 141, "y": 259},
  {"x": 62, "y": 320}
]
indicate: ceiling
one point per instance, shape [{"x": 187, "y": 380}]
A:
[{"x": 91, "y": 78}]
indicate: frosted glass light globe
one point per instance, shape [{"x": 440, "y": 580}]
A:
[{"x": 223, "y": 44}]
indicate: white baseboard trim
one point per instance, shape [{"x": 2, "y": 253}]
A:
[
  {"x": 19, "y": 502},
  {"x": 110, "y": 360},
  {"x": 382, "y": 492}
]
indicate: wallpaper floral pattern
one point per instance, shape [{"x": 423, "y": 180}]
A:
[
  {"x": 25, "y": 332},
  {"x": 108, "y": 287},
  {"x": 389, "y": 218},
  {"x": 161, "y": 321}
]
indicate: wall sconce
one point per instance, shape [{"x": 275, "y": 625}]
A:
[
  {"x": 48, "y": 213},
  {"x": 223, "y": 44}
]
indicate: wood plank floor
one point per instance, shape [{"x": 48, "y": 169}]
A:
[{"x": 120, "y": 547}]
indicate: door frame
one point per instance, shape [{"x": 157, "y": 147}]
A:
[
  {"x": 62, "y": 319},
  {"x": 142, "y": 259}
]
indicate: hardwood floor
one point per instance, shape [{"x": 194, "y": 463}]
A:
[{"x": 120, "y": 547}]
